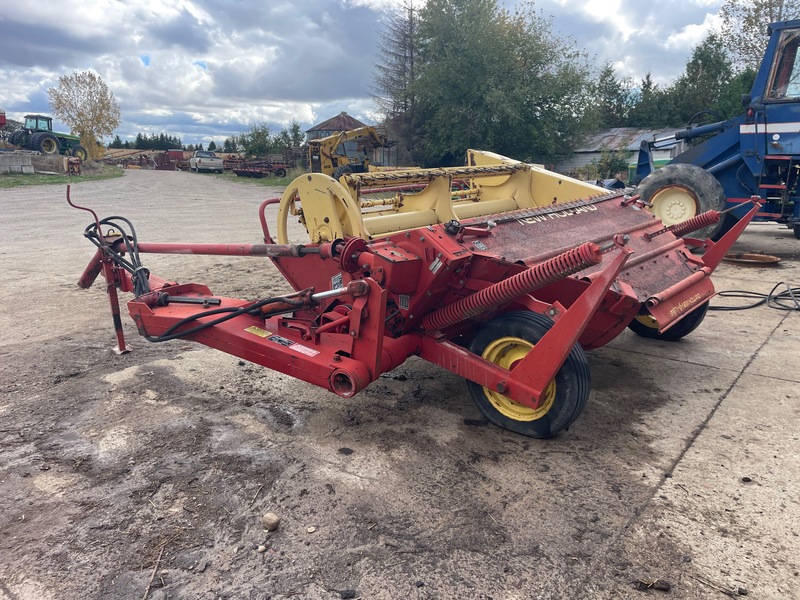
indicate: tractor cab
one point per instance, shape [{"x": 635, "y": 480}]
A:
[
  {"x": 38, "y": 122},
  {"x": 776, "y": 93}
]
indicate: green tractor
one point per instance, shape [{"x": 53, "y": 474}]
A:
[{"x": 37, "y": 134}]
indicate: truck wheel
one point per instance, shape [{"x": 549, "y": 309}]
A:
[
  {"x": 343, "y": 170},
  {"x": 646, "y": 326},
  {"x": 280, "y": 172},
  {"x": 80, "y": 152},
  {"x": 46, "y": 143},
  {"x": 505, "y": 341},
  {"x": 681, "y": 191},
  {"x": 797, "y": 231}
]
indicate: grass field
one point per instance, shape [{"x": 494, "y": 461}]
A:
[{"x": 95, "y": 172}]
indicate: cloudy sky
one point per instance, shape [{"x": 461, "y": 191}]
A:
[{"x": 208, "y": 69}]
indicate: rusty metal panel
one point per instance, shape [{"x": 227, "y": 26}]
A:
[{"x": 533, "y": 236}]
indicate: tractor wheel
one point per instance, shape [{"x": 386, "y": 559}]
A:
[
  {"x": 46, "y": 143},
  {"x": 343, "y": 170},
  {"x": 505, "y": 341},
  {"x": 724, "y": 226},
  {"x": 647, "y": 326},
  {"x": 280, "y": 172},
  {"x": 80, "y": 152},
  {"x": 681, "y": 191},
  {"x": 17, "y": 138}
]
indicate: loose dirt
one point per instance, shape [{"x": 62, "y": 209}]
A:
[{"x": 146, "y": 475}]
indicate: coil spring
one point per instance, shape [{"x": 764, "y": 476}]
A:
[
  {"x": 558, "y": 267},
  {"x": 710, "y": 217}
]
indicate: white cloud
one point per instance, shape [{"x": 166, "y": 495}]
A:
[
  {"x": 692, "y": 34},
  {"x": 280, "y": 60}
]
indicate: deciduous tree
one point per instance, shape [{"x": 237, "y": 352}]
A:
[
  {"x": 85, "y": 104},
  {"x": 703, "y": 84},
  {"x": 257, "y": 141},
  {"x": 612, "y": 163},
  {"x": 490, "y": 78},
  {"x": 744, "y": 26}
]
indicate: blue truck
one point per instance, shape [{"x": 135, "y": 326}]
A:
[{"x": 754, "y": 154}]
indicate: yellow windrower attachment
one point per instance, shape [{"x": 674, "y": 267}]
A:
[{"x": 380, "y": 203}]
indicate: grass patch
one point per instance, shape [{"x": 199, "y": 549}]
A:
[{"x": 91, "y": 172}]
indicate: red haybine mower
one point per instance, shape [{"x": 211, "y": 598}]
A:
[{"x": 499, "y": 271}]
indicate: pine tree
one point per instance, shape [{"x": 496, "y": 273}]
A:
[{"x": 395, "y": 74}]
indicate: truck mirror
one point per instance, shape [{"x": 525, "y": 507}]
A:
[{"x": 746, "y": 99}]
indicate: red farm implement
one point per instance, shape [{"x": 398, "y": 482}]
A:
[
  {"x": 260, "y": 168},
  {"x": 504, "y": 280}
]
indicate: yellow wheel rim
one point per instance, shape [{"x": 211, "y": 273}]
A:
[
  {"x": 49, "y": 146},
  {"x": 673, "y": 205},
  {"x": 647, "y": 321},
  {"x": 506, "y": 352}
]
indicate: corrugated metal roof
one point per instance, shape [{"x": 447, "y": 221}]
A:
[
  {"x": 341, "y": 122},
  {"x": 621, "y": 138}
]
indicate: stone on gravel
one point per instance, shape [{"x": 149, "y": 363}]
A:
[{"x": 270, "y": 521}]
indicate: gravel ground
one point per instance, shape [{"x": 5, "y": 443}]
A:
[{"x": 146, "y": 475}]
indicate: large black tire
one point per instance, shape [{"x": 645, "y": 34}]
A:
[
  {"x": 45, "y": 142},
  {"x": 280, "y": 172},
  {"x": 646, "y": 326},
  {"x": 343, "y": 170},
  {"x": 506, "y": 340},
  {"x": 681, "y": 191},
  {"x": 17, "y": 138},
  {"x": 797, "y": 231},
  {"x": 725, "y": 225}
]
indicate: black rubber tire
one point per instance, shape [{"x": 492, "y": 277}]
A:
[
  {"x": 80, "y": 152},
  {"x": 725, "y": 225},
  {"x": 17, "y": 138},
  {"x": 796, "y": 229},
  {"x": 343, "y": 170},
  {"x": 572, "y": 382},
  {"x": 280, "y": 172},
  {"x": 45, "y": 142},
  {"x": 680, "y": 330},
  {"x": 680, "y": 179}
]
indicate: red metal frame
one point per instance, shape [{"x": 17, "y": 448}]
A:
[{"x": 372, "y": 297}]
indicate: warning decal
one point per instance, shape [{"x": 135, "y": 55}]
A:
[{"x": 279, "y": 339}]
